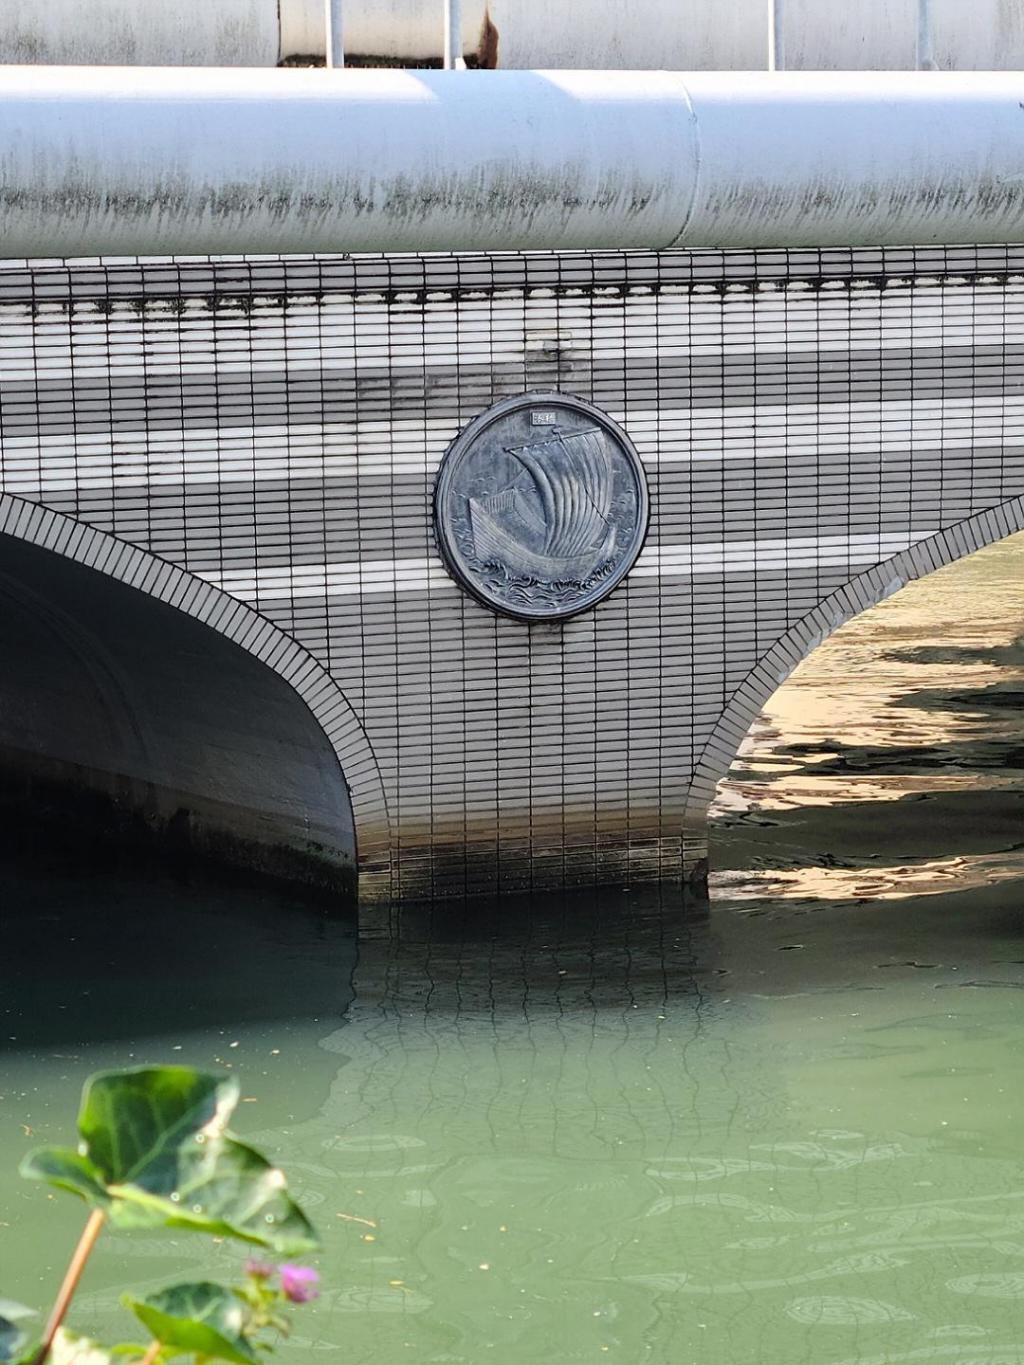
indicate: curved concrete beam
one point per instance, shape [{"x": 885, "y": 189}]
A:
[
  {"x": 151, "y": 161},
  {"x": 813, "y": 159},
  {"x": 163, "y": 160}
]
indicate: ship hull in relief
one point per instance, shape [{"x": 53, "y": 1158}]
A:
[{"x": 541, "y": 506}]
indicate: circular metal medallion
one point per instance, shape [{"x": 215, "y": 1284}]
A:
[{"x": 541, "y": 506}]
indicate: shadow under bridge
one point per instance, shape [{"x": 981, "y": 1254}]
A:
[{"x": 126, "y": 723}]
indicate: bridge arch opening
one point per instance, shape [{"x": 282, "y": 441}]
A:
[
  {"x": 898, "y": 703},
  {"x": 144, "y": 709}
]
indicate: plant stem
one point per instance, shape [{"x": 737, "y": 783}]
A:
[
  {"x": 151, "y": 1354},
  {"x": 76, "y": 1265}
]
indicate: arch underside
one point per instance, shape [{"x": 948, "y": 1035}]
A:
[
  {"x": 862, "y": 592},
  {"x": 144, "y": 704}
]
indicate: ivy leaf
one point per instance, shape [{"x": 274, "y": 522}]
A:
[
  {"x": 204, "y": 1318},
  {"x": 12, "y": 1337},
  {"x": 229, "y": 1190},
  {"x": 155, "y": 1152},
  {"x": 137, "y": 1125},
  {"x": 67, "y": 1170}
]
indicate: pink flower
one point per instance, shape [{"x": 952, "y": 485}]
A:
[
  {"x": 259, "y": 1270},
  {"x": 299, "y": 1283}
]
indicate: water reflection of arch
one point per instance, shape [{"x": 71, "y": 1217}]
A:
[
  {"x": 858, "y": 595},
  {"x": 238, "y": 623},
  {"x": 516, "y": 1089},
  {"x": 448, "y": 992}
]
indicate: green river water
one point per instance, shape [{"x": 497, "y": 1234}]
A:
[{"x": 787, "y": 1130}]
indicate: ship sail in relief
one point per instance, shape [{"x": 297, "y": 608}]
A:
[{"x": 553, "y": 522}]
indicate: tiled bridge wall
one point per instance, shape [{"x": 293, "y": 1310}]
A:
[{"x": 256, "y": 442}]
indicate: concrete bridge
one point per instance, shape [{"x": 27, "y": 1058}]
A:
[
  {"x": 463, "y": 571},
  {"x": 226, "y": 606}
]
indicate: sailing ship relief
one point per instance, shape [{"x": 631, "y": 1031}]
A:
[
  {"x": 553, "y": 521},
  {"x": 540, "y": 506}
]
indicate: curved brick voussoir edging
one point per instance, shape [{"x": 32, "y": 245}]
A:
[
  {"x": 860, "y": 593},
  {"x": 139, "y": 569}
]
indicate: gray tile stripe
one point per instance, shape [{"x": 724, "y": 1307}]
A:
[
  {"x": 268, "y": 396},
  {"x": 279, "y": 521},
  {"x": 720, "y": 560},
  {"x": 393, "y": 494}
]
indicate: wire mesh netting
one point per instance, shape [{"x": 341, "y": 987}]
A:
[{"x": 272, "y": 429}]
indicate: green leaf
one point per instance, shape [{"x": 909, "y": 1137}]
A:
[
  {"x": 12, "y": 1337},
  {"x": 70, "y": 1349},
  {"x": 68, "y": 1170},
  {"x": 228, "y": 1190},
  {"x": 155, "y": 1152},
  {"x": 205, "y": 1318},
  {"x": 136, "y": 1125}
]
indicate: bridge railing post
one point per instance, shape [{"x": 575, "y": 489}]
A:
[
  {"x": 453, "y": 59},
  {"x": 776, "y": 38},
  {"x": 335, "y": 33},
  {"x": 925, "y": 56}
]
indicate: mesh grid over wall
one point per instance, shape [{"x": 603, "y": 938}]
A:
[{"x": 815, "y": 427}]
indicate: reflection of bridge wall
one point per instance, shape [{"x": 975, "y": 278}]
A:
[{"x": 808, "y": 420}]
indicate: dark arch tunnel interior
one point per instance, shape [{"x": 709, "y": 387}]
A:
[{"x": 128, "y": 726}]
